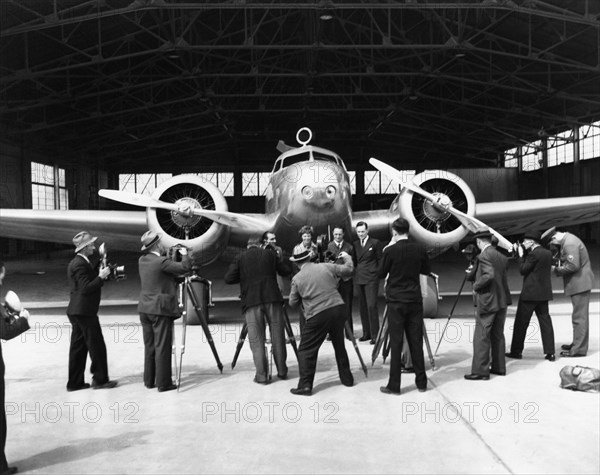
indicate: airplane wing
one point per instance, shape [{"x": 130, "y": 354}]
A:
[
  {"x": 121, "y": 229},
  {"x": 515, "y": 217}
]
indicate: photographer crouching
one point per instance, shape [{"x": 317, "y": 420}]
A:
[{"x": 159, "y": 308}]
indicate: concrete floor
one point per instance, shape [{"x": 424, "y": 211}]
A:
[{"x": 224, "y": 423}]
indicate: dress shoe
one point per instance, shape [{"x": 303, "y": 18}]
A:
[
  {"x": 282, "y": 376},
  {"x": 364, "y": 338},
  {"x": 422, "y": 390},
  {"x": 477, "y": 377},
  {"x": 170, "y": 387},
  {"x": 407, "y": 370},
  {"x": 386, "y": 390},
  {"x": 301, "y": 391},
  {"x": 150, "y": 386},
  {"x": 550, "y": 357},
  {"x": 498, "y": 373},
  {"x": 265, "y": 382},
  {"x": 10, "y": 471},
  {"x": 567, "y": 347},
  {"x": 516, "y": 356},
  {"x": 77, "y": 388},
  {"x": 372, "y": 342},
  {"x": 107, "y": 385},
  {"x": 568, "y": 354}
]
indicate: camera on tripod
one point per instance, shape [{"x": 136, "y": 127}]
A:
[
  {"x": 322, "y": 243},
  {"x": 117, "y": 272}
]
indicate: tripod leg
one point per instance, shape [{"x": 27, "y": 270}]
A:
[
  {"x": 289, "y": 331},
  {"x": 353, "y": 339},
  {"x": 183, "y": 334},
  {"x": 204, "y": 325},
  {"x": 451, "y": 313},
  {"x": 174, "y": 347},
  {"x": 241, "y": 340},
  {"x": 380, "y": 337},
  {"x": 426, "y": 338}
]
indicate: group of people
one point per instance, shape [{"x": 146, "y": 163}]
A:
[
  {"x": 324, "y": 292},
  {"x": 537, "y": 264}
]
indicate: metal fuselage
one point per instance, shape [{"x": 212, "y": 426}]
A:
[{"x": 308, "y": 186}]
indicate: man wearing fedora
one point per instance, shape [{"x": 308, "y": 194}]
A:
[
  {"x": 576, "y": 270},
  {"x": 534, "y": 265},
  {"x": 492, "y": 297},
  {"x": 315, "y": 288},
  {"x": 158, "y": 308},
  {"x": 85, "y": 282}
]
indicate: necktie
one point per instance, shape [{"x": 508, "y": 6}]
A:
[{"x": 363, "y": 242}]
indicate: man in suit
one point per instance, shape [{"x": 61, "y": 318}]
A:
[
  {"x": 256, "y": 271},
  {"x": 534, "y": 265},
  {"x": 346, "y": 285},
  {"x": 402, "y": 263},
  {"x": 492, "y": 297},
  {"x": 576, "y": 270},
  {"x": 158, "y": 308},
  {"x": 367, "y": 255},
  {"x": 315, "y": 288},
  {"x": 12, "y": 324},
  {"x": 85, "y": 282}
]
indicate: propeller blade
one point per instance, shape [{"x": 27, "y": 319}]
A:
[
  {"x": 469, "y": 222},
  {"x": 222, "y": 217},
  {"x": 136, "y": 199}
]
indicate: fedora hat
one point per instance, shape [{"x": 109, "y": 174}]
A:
[
  {"x": 300, "y": 257},
  {"x": 149, "y": 239},
  {"x": 483, "y": 233},
  {"x": 548, "y": 235},
  {"x": 534, "y": 235},
  {"x": 83, "y": 239}
]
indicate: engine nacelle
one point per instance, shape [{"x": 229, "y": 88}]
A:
[
  {"x": 207, "y": 238},
  {"x": 437, "y": 229}
]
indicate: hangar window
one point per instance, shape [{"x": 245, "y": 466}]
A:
[
  {"x": 560, "y": 148},
  {"x": 48, "y": 187},
  {"x": 532, "y": 156},
  {"x": 511, "y": 158},
  {"x": 377, "y": 183},
  {"x": 352, "y": 180},
  {"x": 255, "y": 184},
  {"x": 589, "y": 141},
  {"x": 142, "y": 183},
  {"x": 223, "y": 181}
]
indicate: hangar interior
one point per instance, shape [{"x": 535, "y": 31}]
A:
[{"x": 96, "y": 93}]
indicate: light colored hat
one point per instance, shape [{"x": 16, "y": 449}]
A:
[
  {"x": 301, "y": 256},
  {"x": 82, "y": 240},
  {"x": 13, "y": 303},
  {"x": 149, "y": 239}
]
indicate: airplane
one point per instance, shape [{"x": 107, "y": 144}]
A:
[{"x": 309, "y": 185}]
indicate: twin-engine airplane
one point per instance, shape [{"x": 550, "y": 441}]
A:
[{"x": 308, "y": 185}]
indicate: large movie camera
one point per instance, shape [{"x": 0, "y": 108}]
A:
[
  {"x": 176, "y": 253},
  {"x": 13, "y": 308},
  {"x": 322, "y": 252},
  {"x": 117, "y": 272}
]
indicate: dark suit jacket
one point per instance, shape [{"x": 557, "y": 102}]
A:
[
  {"x": 256, "y": 272},
  {"x": 158, "y": 293},
  {"x": 490, "y": 281},
  {"x": 86, "y": 288},
  {"x": 334, "y": 250},
  {"x": 367, "y": 260},
  {"x": 536, "y": 271}
]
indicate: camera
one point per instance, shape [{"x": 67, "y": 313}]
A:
[
  {"x": 117, "y": 272},
  {"x": 176, "y": 253},
  {"x": 322, "y": 243}
]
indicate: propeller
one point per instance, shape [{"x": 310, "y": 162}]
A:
[
  {"x": 186, "y": 209},
  {"x": 469, "y": 222}
]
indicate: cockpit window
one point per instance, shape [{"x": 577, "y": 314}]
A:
[{"x": 304, "y": 157}]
